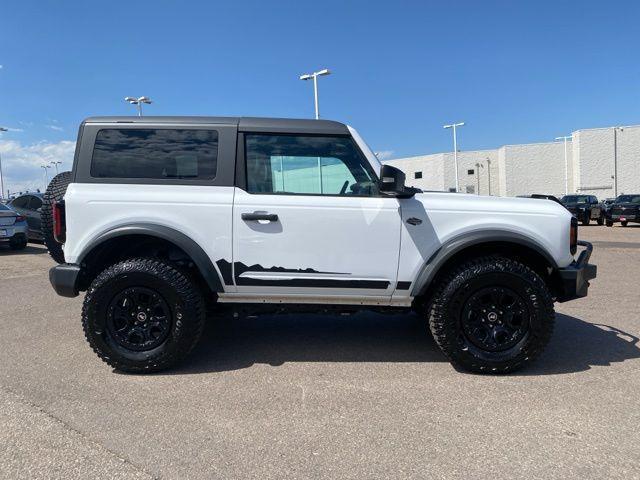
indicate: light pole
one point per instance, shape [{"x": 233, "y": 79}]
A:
[
  {"x": 478, "y": 167},
  {"x": 314, "y": 76},
  {"x": 138, "y": 101},
  {"x": 615, "y": 160},
  {"x": 46, "y": 175},
  {"x": 455, "y": 148},
  {"x": 566, "y": 163},
  {"x": 489, "y": 174},
  {"x": 2, "y": 129},
  {"x": 55, "y": 164}
]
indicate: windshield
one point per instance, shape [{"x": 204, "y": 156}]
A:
[
  {"x": 628, "y": 199},
  {"x": 575, "y": 199}
]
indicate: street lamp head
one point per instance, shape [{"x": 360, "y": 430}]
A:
[
  {"x": 2, "y": 129},
  {"x": 144, "y": 100},
  {"x": 132, "y": 100},
  {"x": 324, "y": 71},
  {"x": 306, "y": 76}
]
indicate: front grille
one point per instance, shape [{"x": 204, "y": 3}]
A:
[
  {"x": 624, "y": 211},
  {"x": 7, "y": 220}
]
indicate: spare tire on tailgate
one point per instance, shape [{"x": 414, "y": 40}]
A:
[{"x": 55, "y": 192}]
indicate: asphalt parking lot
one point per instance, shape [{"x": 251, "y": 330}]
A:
[{"x": 313, "y": 397}]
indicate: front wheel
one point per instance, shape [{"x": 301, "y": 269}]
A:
[
  {"x": 609, "y": 223},
  {"x": 492, "y": 315},
  {"x": 624, "y": 224},
  {"x": 143, "y": 315},
  {"x": 601, "y": 220}
]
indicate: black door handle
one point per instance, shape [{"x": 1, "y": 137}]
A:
[{"x": 255, "y": 216}]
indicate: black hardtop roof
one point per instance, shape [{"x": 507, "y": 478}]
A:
[{"x": 244, "y": 124}]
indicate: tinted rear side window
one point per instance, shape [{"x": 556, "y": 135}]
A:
[
  {"x": 35, "y": 203},
  {"x": 20, "y": 202},
  {"x": 155, "y": 153}
]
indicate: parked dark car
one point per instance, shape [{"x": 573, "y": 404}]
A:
[
  {"x": 584, "y": 207},
  {"x": 625, "y": 209},
  {"x": 29, "y": 206}
]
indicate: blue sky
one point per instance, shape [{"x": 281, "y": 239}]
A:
[{"x": 516, "y": 72}]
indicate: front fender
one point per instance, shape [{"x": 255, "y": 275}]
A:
[{"x": 455, "y": 245}]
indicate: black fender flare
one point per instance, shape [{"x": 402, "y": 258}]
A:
[
  {"x": 466, "y": 240},
  {"x": 188, "y": 245}
]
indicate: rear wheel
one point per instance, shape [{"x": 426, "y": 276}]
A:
[
  {"x": 492, "y": 315},
  {"x": 586, "y": 220},
  {"x": 143, "y": 315},
  {"x": 624, "y": 224},
  {"x": 600, "y": 220},
  {"x": 55, "y": 192},
  {"x": 18, "y": 243},
  {"x": 609, "y": 223}
]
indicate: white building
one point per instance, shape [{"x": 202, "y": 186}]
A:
[{"x": 595, "y": 158}]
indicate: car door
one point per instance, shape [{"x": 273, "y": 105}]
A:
[{"x": 309, "y": 224}]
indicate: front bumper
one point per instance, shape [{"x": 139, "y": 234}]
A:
[
  {"x": 574, "y": 279},
  {"x": 64, "y": 279}
]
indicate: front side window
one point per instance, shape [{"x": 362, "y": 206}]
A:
[
  {"x": 292, "y": 164},
  {"x": 155, "y": 154}
]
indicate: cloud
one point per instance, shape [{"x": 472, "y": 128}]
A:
[
  {"x": 54, "y": 127},
  {"x": 385, "y": 154},
  {"x": 21, "y": 163}
]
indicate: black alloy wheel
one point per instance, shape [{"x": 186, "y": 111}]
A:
[
  {"x": 139, "y": 319},
  {"x": 495, "y": 319}
]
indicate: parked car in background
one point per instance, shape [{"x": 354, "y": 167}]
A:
[
  {"x": 29, "y": 206},
  {"x": 13, "y": 228},
  {"x": 584, "y": 207},
  {"x": 606, "y": 204},
  {"x": 625, "y": 209}
]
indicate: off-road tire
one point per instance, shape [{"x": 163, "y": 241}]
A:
[
  {"x": 586, "y": 219},
  {"x": 624, "y": 224},
  {"x": 448, "y": 303},
  {"x": 182, "y": 296},
  {"x": 600, "y": 221},
  {"x": 55, "y": 192}
]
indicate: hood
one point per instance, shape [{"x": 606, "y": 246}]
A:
[{"x": 480, "y": 203}]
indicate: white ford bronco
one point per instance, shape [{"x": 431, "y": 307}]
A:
[{"x": 164, "y": 219}]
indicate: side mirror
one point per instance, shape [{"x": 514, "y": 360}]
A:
[{"x": 392, "y": 182}]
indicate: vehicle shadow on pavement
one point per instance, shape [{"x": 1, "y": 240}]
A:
[
  {"x": 577, "y": 345},
  {"x": 231, "y": 344},
  {"x": 6, "y": 251}
]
